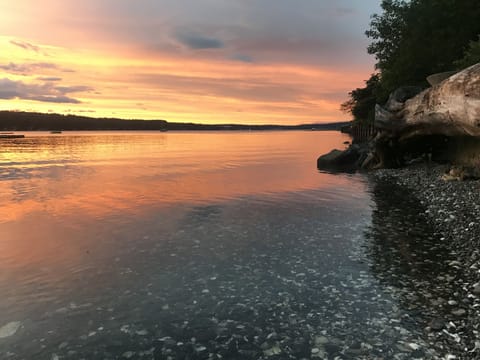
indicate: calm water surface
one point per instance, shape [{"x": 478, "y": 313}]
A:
[{"x": 191, "y": 246}]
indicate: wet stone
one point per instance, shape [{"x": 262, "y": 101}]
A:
[
  {"x": 476, "y": 289},
  {"x": 418, "y": 354},
  {"x": 437, "y": 324},
  {"x": 458, "y": 312},
  {"x": 9, "y": 329},
  {"x": 240, "y": 312},
  {"x": 332, "y": 348},
  {"x": 128, "y": 354}
]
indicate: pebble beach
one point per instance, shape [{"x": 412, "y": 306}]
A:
[{"x": 449, "y": 288}]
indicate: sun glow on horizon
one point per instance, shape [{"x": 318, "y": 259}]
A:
[{"x": 191, "y": 80}]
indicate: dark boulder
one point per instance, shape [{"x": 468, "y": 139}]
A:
[{"x": 347, "y": 160}]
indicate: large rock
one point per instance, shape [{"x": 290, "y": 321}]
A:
[{"x": 347, "y": 160}]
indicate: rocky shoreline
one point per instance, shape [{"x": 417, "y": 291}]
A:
[{"x": 452, "y": 297}]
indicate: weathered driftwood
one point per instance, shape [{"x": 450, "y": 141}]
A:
[
  {"x": 451, "y": 108},
  {"x": 436, "y": 79},
  {"x": 439, "y": 123}
]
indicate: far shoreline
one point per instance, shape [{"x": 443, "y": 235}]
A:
[{"x": 28, "y": 121}]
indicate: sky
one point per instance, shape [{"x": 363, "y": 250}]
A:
[{"x": 208, "y": 61}]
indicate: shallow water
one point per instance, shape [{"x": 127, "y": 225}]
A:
[{"x": 195, "y": 246}]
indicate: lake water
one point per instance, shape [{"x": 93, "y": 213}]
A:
[{"x": 186, "y": 245}]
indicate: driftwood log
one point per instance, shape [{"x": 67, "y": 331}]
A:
[
  {"x": 440, "y": 123},
  {"x": 450, "y": 108},
  {"x": 443, "y": 119}
]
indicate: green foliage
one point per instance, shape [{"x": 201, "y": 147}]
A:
[
  {"x": 471, "y": 56},
  {"x": 417, "y": 38},
  {"x": 362, "y": 100},
  {"x": 386, "y": 31},
  {"x": 428, "y": 36}
]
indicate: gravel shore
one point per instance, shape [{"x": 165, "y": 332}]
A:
[{"x": 452, "y": 297}]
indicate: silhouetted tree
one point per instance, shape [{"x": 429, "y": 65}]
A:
[
  {"x": 362, "y": 100},
  {"x": 414, "y": 39}
]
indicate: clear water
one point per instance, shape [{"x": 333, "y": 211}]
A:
[{"x": 190, "y": 246}]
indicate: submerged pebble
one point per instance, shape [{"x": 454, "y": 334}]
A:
[{"x": 9, "y": 329}]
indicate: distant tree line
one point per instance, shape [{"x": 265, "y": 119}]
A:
[
  {"x": 29, "y": 121},
  {"x": 414, "y": 39}
]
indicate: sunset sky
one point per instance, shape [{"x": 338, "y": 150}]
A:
[{"x": 210, "y": 61}]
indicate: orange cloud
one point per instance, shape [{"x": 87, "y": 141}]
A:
[{"x": 241, "y": 72}]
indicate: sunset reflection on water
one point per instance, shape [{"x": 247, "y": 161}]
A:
[
  {"x": 64, "y": 195},
  {"x": 91, "y": 177},
  {"x": 97, "y": 218}
]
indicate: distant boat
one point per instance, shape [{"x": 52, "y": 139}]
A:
[
  {"x": 55, "y": 132},
  {"x": 11, "y": 136}
]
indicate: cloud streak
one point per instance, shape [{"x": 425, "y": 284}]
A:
[
  {"x": 242, "y": 58},
  {"x": 31, "y": 68},
  {"x": 196, "y": 41},
  {"x": 54, "y": 99},
  {"x": 25, "y": 45},
  {"x": 253, "y": 87},
  {"x": 11, "y": 89},
  {"x": 49, "y": 78}
]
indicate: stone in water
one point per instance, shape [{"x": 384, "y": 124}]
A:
[{"x": 9, "y": 329}]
